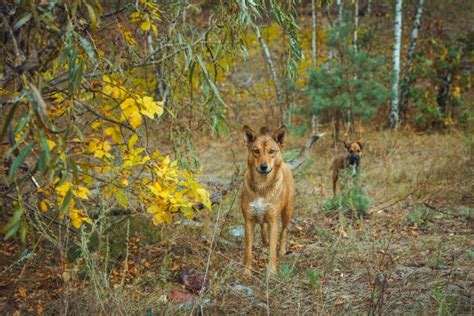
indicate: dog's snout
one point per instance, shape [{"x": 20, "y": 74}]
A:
[
  {"x": 263, "y": 167},
  {"x": 354, "y": 158}
]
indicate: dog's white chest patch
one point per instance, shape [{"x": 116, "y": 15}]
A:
[
  {"x": 258, "y": 208},
  {"x": 353, "y": 170}
]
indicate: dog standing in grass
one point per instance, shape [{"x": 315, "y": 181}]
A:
[
  {"x": 351, "y": 159},
  {"x": 267, "y": 193}
]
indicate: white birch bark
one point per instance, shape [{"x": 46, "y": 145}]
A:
[
  {"x": 415, "y": 29},
  {"x": 356, "y": 22},
  {"x": 313, "y": 32},
  {"x": 339, "y": 10},
  {"x": 314, "y": 118},
  {"x": 394, "y": 111},
  {"x": 411, "y": 53}
]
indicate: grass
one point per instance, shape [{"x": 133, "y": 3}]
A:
[{"x": 402, "y": 257}]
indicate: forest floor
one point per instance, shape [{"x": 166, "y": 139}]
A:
[{"x": 412, "y": 253}]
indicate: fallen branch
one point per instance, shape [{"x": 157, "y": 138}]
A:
[{"x": 431, "y": 207}]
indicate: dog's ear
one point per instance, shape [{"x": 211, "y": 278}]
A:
[
  {"x": 280, "y": 135},
  {"x": 361, "y": 144},
  {"x": 347, "y": 144},
  {"x": 249, "y": 135}
]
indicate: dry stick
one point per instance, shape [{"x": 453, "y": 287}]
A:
[{"x": 444, "y": 212}]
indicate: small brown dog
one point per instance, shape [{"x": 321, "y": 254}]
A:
[
  {"x": 267, "y": 193},
  {"x": 343, "y": 161}
]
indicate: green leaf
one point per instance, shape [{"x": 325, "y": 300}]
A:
[
  {"x": 18, "y": 143},
  {"x": 24, "y": 19},
  {"x": 20, "y": 159},
  {"x": 92, "y": 15},
  {"x": 12, "y": 231},
  {"x": 13, "y": 224},
  {"x": 45, "y": 146},
  {"x": 208, "y": 79},
  {"x": 87, "y": 47},
  {"x": 23, "y": 230},
  {"x": 42, "y": 163},
  {"x": 66, "y": 201},
  {"x": 38, "y": 104},
  {"x": 8, "y": 119},
  {"x": 21, "y": 124}
]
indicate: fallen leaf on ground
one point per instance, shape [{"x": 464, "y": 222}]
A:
[{"x": 193, "y": 280}]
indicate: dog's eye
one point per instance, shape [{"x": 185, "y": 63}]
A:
[
  {"x": 272, "y": 151},
  {"x": 256, "y": 151}
]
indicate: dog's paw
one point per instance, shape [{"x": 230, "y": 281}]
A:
[{"x": 247, "y": 271}]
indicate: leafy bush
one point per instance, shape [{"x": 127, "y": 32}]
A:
[{"x": 351, "y": 198}]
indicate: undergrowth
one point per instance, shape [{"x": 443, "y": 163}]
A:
[{"x": 352, "y": 198}]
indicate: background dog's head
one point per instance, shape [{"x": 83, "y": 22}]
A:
[
  {"x": 264, "y": 148},
  {"x": 355, "y": 151}
]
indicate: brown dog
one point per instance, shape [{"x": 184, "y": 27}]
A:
[
  {"x": 350, "y": 159},
  {"x": 267, "y": 193}
]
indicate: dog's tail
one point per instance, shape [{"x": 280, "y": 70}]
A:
[{"x": 304, "y": 153}]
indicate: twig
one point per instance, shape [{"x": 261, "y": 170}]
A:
[
  {"x": 105, "y": 118},
  {"x": 431, "y": 207}
]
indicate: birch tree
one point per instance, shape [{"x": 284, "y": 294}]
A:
[
  {"x": 394, "y": 111},
  {"x": 356, "y": 22},
  {"x": 339, "y": 10},
  {"x": 314, "y": 118},
  {"x": 408, "y": 78},
  {"x": 313, "y": 32}
]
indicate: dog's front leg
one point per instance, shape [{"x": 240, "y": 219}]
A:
[
  {"x": 264, "y": 233},
  {"x": 248, "y": 258},
  {"x": 273, "y": 225}
]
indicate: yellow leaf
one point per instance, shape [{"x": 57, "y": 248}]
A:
[
  {"x": 43, "y": 206},
  {"x": 149, "y": 107},
  {"x": 154, "y": 29},
  {"x": 114, "y": 133},
  {"x": 121, "y": 197},
  {"x": 63, "y": 188},
  {"x": 82, "y": 192},
  {"x": 132, "y": 141},
  {"x": 51, "y": 144},
  {"x": 129, "y": 38},
  {"x": 145, "y": 26},
  {"x": 456, "y": 92},
  {"x": 131, "y": 112}
]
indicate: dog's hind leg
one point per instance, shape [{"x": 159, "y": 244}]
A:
[
  {"x": 335, "y": 176},
  {"x": 285, "y": 220},
  {"x": 264, "y": 232},
  {"x": 249, "y": 228}
]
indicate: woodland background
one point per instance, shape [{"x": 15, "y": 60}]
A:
[{"x": 122, "y": 154}]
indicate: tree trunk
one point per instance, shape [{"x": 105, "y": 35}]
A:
[
  {"x": 369, "y": 8},
  {"x": 314, "y": 118},
  {"x": 273, "y": 73},
  {"x": 313, "y": 32},
  {"x": 408, "y": 77},
  {"x": 394, "y": 117},
  {"x": 443, "y": 92},
  {"x": 340, "y": 8},
  {"x": 356, "y": 22}
]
